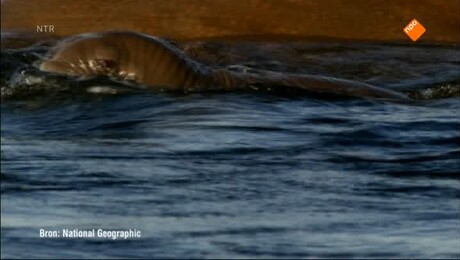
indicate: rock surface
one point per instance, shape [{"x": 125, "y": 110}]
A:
[{"x": 368, "y": 20}]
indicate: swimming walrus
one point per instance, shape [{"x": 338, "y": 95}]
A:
[{"x": 157, "y": 64}]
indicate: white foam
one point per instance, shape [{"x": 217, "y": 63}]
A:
[{"x": 102, "y": 90}]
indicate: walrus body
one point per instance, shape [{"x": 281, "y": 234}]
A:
[{"x": 157, "y": 64}]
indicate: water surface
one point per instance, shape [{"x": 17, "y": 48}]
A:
[{"x": 237, "y": 174}]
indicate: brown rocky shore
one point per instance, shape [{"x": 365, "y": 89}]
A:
[{"x": 355, "y": 20}]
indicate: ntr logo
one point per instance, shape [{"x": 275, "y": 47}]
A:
[{"x": 45, "y": 28}]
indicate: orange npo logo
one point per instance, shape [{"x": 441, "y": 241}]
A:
[{"x": 414, "y": 30}]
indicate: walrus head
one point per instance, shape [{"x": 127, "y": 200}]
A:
[
  {"x": 88, "y": 55},
  {"x": 144, "y": 59}
]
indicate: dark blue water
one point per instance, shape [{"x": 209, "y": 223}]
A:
[{"x": 242, "y": 174}]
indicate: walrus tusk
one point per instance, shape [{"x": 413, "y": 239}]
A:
[{"x": 155, "y": 63}]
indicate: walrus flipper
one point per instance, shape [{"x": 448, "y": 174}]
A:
[{"x": 324, "y": 86}]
